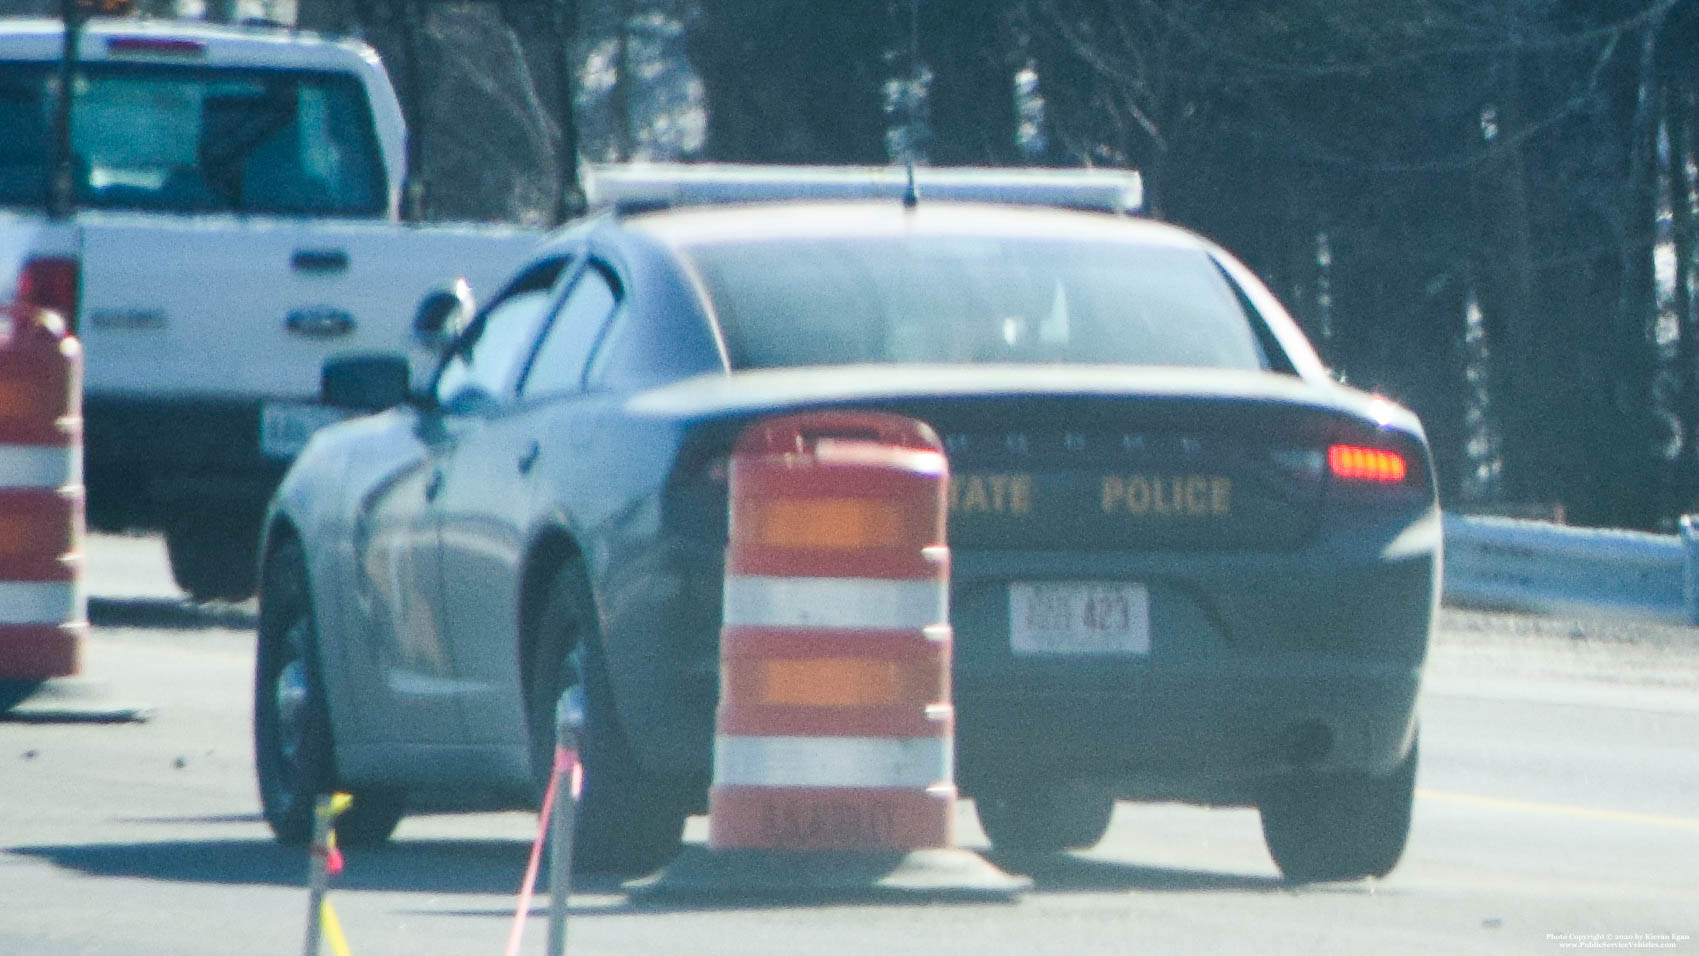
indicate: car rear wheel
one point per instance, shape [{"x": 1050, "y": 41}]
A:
[
  {"x": 1323, "y": 827},
  {"x": 294, "y": 757},
  {"x": 1039, "y": 817},
  {"x": 626, "y": 822}
]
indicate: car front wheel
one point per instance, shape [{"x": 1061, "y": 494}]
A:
[
  {"x": 1323, "y": 827},
  {"x": 294, "y": 757},
  {"x": 626, "y": 822}
]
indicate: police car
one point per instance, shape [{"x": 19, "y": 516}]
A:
[{"x": 1187, "y": 564}]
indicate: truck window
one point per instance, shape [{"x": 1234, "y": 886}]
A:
[
  {"x": 165, "y": 137},
  {"x": 26, "y": 143}
]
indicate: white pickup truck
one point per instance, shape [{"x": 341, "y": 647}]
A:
[{"x": 225, "y": 217}]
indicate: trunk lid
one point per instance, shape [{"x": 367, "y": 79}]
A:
[
  {"x": 1094, "y": 458},
  {"x": 1129, "y": 473}
]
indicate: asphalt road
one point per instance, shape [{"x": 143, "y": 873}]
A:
[{"x": 1556, "y": 809}]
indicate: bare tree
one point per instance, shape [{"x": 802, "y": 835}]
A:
[{"x": 1502, "y": 152}]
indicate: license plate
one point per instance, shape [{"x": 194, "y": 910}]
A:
[
  {"x": 1079, "y": 618},
  {"x": 286, "y": 426}
]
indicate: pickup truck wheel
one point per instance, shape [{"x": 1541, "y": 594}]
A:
[
  {"x": 1325, "y": 827},
  {"x": 213, "y": 559},
  {"x": 1040, "y": 817},
  {"x": 294, "y": 757},
  {"x": 627, "y": 823}
]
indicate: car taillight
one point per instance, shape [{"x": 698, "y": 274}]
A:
[
  {"x": 50, "y": 282},
  {"x": 1359, "y": 463}
]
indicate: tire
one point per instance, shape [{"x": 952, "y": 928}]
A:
[
  {"x": 294, "y": 757},
  {"x": 15, "y": 692},
  {"x": 1041, "y": 817},
  {"x": 213, "y": 559},
  {"x": 626, "y": 823},
  {"x": 1340, "y": 826}
]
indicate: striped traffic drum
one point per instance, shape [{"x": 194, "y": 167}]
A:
[{"x": 835, "y": 727}]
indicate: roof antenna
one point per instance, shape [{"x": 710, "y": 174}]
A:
[
  {"x": 61, "y": 183},
  {"x": 911, "y": 193}
]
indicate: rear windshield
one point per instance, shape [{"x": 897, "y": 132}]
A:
[
  {"x": 801, "y": 302},
  {"x": 193, "y": 140}
]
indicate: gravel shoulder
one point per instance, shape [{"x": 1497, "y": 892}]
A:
[{"x": 1473, "y": 644}]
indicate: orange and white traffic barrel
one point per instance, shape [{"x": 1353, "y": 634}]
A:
[
  {"x": 43, "y": 608},
  {"x": 835, "y": 728},
  {"x": 834, "y": 737}
]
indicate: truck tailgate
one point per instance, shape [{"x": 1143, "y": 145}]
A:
[{"x": 222, "y": 305}]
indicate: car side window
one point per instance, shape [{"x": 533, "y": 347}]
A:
[
  {"x": 1268, "y": 345},
  {"x": 558, "y": 366},
  {"x": 481, "y": 368},
  {"x": 1282, "y": 342},
  {"x": 595, "y": 377}
]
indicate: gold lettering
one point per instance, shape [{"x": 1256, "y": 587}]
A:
[
  {"x": 1159, "y": 502},
  {"x": 999, "y": 492},
  {"x": 1114, "y": 493},
  {"x": 1138, "y": 495},
  {"x": 1003, "y": 494},
  {"x": 1197, "y": 495},
  {"x": 1020, "y": 495},
  {"x": 973, "y": 498}
]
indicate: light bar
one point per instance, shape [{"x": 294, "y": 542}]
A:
[
  {"x": 155, "y": 46},
  {"x": 639, "y": 186},
  {"x": 1356, "y": 463}
]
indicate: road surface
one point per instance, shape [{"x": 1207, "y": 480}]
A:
[{"x": 1558, "y": 808}]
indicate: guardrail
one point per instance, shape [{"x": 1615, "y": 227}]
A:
[{"x": 1514, "y": 564}]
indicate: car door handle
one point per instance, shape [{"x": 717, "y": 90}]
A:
[
  {"x": 319, "y": 260},
  {"x": 529, "y": 456},
  {"x": 325, "y": 323},
  {"x": 433, "y": 485}
]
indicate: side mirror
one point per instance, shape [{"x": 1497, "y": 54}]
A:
[
  {"x": 364, "y": 383},
  {"x": 442, "y": 314}
]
